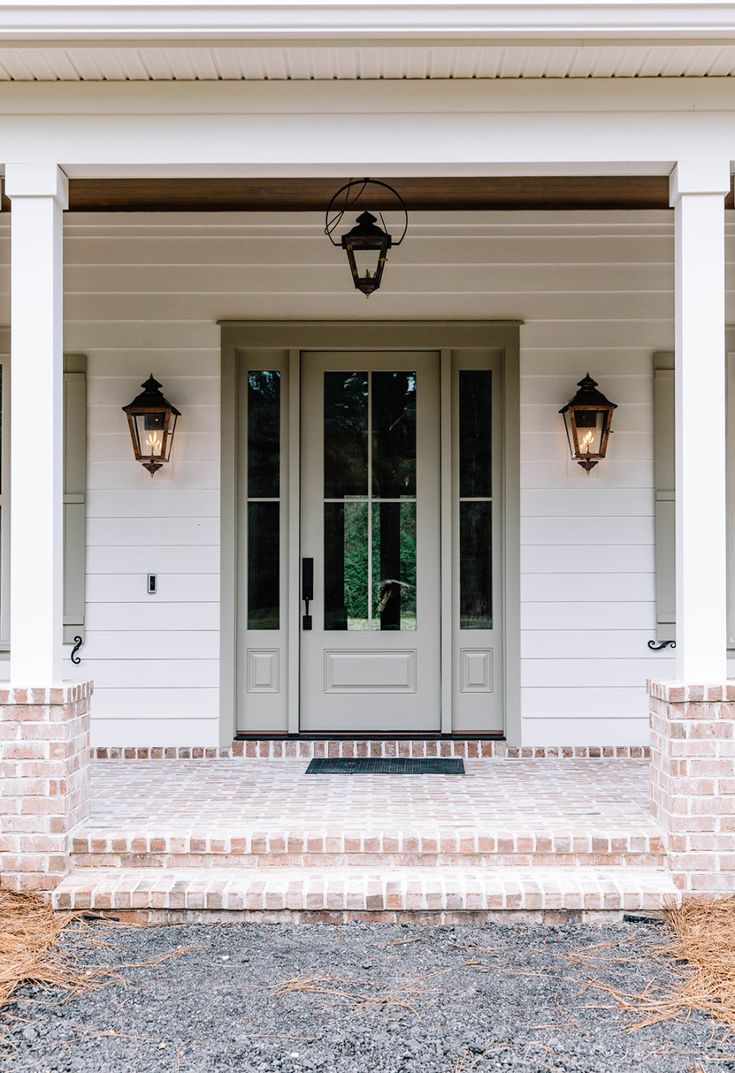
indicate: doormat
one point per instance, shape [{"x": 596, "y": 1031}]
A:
[{"x": 387, "y": 765}]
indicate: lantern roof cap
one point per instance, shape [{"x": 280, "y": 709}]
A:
[
  {"x": 367, "y": 228},
  {"x": 589, "y": 396},
  {"x": 150, "y": 398}
]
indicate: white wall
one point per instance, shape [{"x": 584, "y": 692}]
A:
[{"x": 595, "y": 290}]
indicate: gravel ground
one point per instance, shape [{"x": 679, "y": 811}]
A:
[{"x": 410, "y": 999}]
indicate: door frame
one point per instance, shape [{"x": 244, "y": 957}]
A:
[{"x": 293, "y": 337}]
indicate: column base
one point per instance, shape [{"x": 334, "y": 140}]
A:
[
  {"x": 693, "y": 781},
  {"x": 44, "y": 770}
]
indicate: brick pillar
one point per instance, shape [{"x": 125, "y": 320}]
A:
[
  {"x": 693, "y": 777},
  {"x": 44, "y": 780}
]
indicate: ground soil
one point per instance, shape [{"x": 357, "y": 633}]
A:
[{"x": 368, "y": 999}]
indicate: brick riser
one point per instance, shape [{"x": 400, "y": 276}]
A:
[
  {"x": 340, "y": 849},
  {"x": 338, "y": 894},
  {"x": 368, "y": 860}
]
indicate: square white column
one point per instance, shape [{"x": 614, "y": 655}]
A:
[
  {"x": 38, "y": 195},
  {"x": 697, "y": 193}
]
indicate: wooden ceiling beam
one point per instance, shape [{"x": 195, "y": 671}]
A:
[{"x": 435, "y": 194}]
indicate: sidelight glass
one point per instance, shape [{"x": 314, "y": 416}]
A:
[
  {"x": 475, "y": 565},
  {"x": 474, "y": 432},
  {"x": 345, "y": 434},
  {"x": 264, "y": 434},
  {"x": 263, "y": 498},
  {"x": 475, "y": 500},
  {"x": 264, "y": 555}
]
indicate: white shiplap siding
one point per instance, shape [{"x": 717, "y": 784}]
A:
[{"x": 595, "y": 292}]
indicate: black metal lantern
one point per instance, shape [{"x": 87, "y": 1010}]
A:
[
  {"x": 152, "y": 422},
  {"x": 367, "y": 243},
  {"x": 588, "y": 421}
]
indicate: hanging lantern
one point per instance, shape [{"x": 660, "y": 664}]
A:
[
  {"x": 588, "y": 421},
  {"x": 367, "y": 243},
  {"x": 152, "y": 422}
]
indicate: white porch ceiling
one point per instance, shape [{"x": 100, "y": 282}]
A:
[{"x": 281, "y": 63}]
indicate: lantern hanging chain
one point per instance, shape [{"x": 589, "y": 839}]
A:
[
  {"x": 336, "y": 220},
  {"x": 333, "y": 222}
]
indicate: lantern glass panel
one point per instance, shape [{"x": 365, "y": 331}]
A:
[
  {"x": 589, "y": 427},
  {"x": 367, "y": 262}
]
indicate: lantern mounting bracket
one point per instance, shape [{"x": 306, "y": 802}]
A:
[{"x": 334, "y": 215}]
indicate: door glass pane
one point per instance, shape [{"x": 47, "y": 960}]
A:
[
  {"x": 474, "y": 432},
  {"x": 345, "y": 434},
  {"x": 346, "y": 566},
  {"x": 394, "y": 566},
  {"x": 263, "y": 566},
  {"x": 475, "y": 565},
  {"x": 264, "y": 434},
  {"x": 394, "y": 434}
]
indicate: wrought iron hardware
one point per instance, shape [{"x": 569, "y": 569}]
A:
[
  {"x": 307, "y": 589},
  {"x": 78, "y": 642},
  {"x": 658, "y": 646}
]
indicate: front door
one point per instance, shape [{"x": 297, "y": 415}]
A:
[{"x": 370, "y": 530}]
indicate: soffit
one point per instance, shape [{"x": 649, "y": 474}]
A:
[{"x": 168, "y": 63}]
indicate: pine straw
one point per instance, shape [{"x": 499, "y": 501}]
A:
[
  {"x": 702, "y": 958},
  {"x": 29, "y": 932},
  {"x": 29, "y": 929}
]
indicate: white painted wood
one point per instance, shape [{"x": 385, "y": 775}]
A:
[
  {"x": 591, "y": 587},
  {"x": 570, "y": 524},
  {"x": 589, "y": 731},
  {"x": 152, "y": 616},
  {"x": 697, "y": 192},
  {"x": 124, "y": 559},
  {"x": 155, "y": 674},
  {"x": 613, "y": 615},
  {"x": 478, "y": 60},
  {"x": 587, "y": 703},
  {"x": 170, "y": 588},
  {"x": 127, "y": 645},
  {"x": 582, "y": 644},
  {"x": 39, "y": 197}
]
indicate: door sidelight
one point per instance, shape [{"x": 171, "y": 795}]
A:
[{"x": 307, "y": 589}]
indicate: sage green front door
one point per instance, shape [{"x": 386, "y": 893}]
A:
[{"x": 370, "y": 530}]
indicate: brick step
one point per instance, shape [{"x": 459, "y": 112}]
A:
[
  {"x": 344, "y": 893},
  {"x": 339, "y": 848}
]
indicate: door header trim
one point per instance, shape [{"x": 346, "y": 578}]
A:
[{"x": 378, "y": 335}]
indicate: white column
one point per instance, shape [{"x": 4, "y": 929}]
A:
[
  {"x": 38, "y": 194},
  {"x": 697, "y": 194}
]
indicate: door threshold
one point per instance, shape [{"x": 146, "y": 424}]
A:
[{"x": 378, "y": 736}]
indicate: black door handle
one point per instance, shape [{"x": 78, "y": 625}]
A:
[{"x": 307, "y": 589}]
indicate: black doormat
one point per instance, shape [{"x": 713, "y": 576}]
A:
[{"x": 389, "y": 765}]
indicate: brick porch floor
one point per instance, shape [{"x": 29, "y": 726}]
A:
[{"x": 251, "y": 835}]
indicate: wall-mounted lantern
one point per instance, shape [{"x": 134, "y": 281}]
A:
[
  {"x": 367, "y": 243},
  {"x": 152, "y": 422},
  {"x": 588, "y": 421}
]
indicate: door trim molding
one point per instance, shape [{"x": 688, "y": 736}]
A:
[{"x": 296, "y": 336}]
